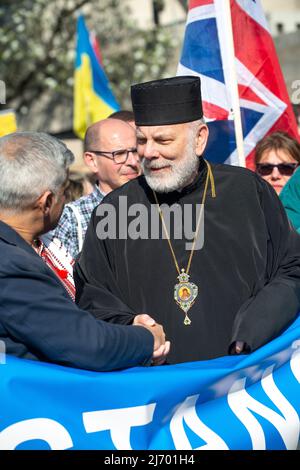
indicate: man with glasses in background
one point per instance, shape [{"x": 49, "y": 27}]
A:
[
  {"x": 110, "y": 153},
  {"x": 276, "y": 157}
]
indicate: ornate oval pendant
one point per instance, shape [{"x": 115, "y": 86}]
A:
[{"x": 185, "y": 294}]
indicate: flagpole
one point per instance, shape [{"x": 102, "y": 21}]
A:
[{"x": 234, "y": 87}]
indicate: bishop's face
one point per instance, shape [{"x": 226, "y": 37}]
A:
[{"x": 169, "y": 154}]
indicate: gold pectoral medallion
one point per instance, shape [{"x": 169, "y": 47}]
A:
[{"x": 185, "y": 294}]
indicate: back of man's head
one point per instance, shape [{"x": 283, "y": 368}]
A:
[{"x": 31, "y": 163}]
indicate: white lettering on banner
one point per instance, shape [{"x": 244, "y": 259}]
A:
[
  {"x": 187, "y": 412},
  {"x": 241, "y": 403},
  {"x": 119, "y": 422},
  {"x": 43, "y": 429},
  {"x": 295, "y": 360}
]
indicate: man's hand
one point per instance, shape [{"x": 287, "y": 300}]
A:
[
  {"x": 143, "y": 320},
  {"x": 160, "y": 354},
  {"x": 161, "y": 346}
]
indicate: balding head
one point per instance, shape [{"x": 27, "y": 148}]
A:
[
  {"x": 107, "y": 127},
  {"x": 101, "y": 140}
]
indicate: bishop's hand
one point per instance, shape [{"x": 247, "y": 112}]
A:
[{"x": 161, "y": 347}]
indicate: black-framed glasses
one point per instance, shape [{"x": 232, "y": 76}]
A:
[
  {"x": 118, "y": 156},
  {"x": 285, "y": 169}
]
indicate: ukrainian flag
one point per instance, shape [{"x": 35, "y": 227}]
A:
[
  {"x": 93, "y": 98},
  {"x": 8, "y": 123}
]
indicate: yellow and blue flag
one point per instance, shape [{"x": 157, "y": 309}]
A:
[
  {"x": 93, "y": 98},
  {"x": 8, "y": 123}
]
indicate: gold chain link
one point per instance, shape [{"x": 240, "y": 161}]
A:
[{"x": 210, "y": 178}]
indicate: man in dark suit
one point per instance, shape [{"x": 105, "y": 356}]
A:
[{"x": 38, "y": 319}]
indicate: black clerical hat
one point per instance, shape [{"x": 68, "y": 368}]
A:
[{"x": 167, "y": 101}]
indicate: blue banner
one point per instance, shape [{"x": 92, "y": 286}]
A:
[{"x": 233, "y": 402}]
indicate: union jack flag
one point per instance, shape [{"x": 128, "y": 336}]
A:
[{"x": 264, "y": 101}]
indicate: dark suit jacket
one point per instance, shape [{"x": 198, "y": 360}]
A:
[{"x": 39, "y": 321}]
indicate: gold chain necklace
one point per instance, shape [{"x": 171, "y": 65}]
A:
[{"x": 185, "y": 292}]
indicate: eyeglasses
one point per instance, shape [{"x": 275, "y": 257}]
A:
[
  {"x": 285, "y": 169},
  {"x": 118, "y": 156}
]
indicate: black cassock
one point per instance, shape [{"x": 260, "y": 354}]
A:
[{"x": 247, "y": 273}]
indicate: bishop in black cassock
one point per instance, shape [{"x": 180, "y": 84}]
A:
[{"x": 247, "y": 272}]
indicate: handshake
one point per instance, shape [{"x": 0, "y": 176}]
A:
[{"x": 161, "y": 347}]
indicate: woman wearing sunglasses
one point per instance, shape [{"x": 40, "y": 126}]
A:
[{"x": 276, "y": 157}]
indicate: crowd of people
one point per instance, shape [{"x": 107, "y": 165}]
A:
[{"x": 74, "y": 293}]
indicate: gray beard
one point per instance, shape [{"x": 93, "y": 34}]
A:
[{"x": 180, "y": 174}]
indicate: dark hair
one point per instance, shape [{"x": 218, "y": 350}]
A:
[
  {"x": 278, "y": 141},
  {"x": 123, "y": 115}
]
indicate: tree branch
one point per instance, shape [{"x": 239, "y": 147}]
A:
[{"x": 22, "y": 86}]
